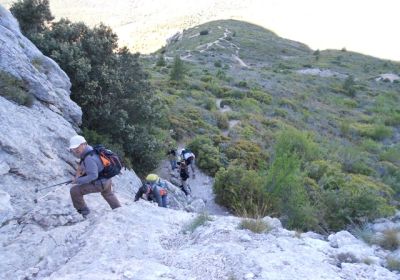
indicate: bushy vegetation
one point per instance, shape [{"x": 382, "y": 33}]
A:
[
  {"x": 208, "y": 156},
  {"x": 241, "y": 191},
  {"x": 109, "y": 84},
  {"x": 317, "y": 151},
  {"x": 14, "y": 89}
]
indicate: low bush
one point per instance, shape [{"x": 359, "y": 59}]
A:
[
  {"x": 246, "y": 153},
  {"x": 374, "y": 131},
  {"x": 256, "y": 226},
  {"x": 391, "y": 154},
  {"x": 390, "y": 239},
  {"x": 200, "y": 220},
  {"x": 222, "y": 120},
  {"x": 392, "y": 119},
  {"x": 241, "y": 191},
  {"x": 260, "y": 96},
  {"x": 208, "y": 157},
  {"x": 354, "y": 161},
  {"x": 293, "y": 141},
  {"x": 354, "y": 203},
  {"x": 14, "y": 89}
]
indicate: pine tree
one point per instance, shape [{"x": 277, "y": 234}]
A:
[{"x": 177, "y": 72}]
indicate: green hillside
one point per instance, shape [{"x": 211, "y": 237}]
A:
[
  {"x": 311, "y": 137},
  {"x": 327, "y": 108}
]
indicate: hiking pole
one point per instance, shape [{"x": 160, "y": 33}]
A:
[
  {"x": 47, "y": 194},
  {"x": 52, "y": 186}
]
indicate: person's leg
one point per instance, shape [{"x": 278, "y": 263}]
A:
[
  {"x": 182, "y": 186},
  {"x": 164, "y": 199},
  {"x": 192, "y": 165},
  {"x": 77, "y": 192},
  {"x": 109, "y": 195},
  {"x": 185, "y": 187}
]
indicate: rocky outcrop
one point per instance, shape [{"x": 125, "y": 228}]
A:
[{"x": 43, "y": 77}]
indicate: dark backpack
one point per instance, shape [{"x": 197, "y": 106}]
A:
[
  {"x": 111, "y": 162},
  {"x": 184, "y": 173}
]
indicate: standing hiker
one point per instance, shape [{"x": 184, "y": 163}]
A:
[
  {"x": 172, "y": 154},
  {"x": 184, "y": 174},
  {"x": 189, "y": 158},
  {"x": 89, "y": 177}
]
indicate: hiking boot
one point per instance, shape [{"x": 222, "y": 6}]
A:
[{"x": 84, "y": 212}]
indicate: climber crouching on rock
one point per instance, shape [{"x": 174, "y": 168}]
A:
[{"x": 88, "y": 177}]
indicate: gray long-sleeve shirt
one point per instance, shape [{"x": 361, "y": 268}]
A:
[{"x": 91, "y": 166}]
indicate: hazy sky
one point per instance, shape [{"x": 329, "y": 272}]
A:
[{"x": 367, "y": 26}]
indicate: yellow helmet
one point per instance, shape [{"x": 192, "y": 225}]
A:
[{"x": 152, "y": 178}]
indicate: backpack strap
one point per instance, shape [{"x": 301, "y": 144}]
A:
[{"x": 89, "y": 153}]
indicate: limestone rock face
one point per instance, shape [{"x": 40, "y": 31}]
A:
[{"x": 42, "y": 76}]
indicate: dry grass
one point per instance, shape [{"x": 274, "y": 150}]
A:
[{"x": 255, "y": 225}]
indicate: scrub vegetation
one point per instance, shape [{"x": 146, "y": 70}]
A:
[{"x": 315, "y": 134}]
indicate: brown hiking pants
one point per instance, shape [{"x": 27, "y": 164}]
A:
[{"x": 105, "y": 188}]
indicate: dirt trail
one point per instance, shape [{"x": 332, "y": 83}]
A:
[{"x": 201, "y": 187}]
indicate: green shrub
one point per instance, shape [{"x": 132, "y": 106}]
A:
[
  {"x": 241, "y": 191},
  {"x": 256, "y": 226},
  {"x": 392, "y": 154},
  {"x": 320, "y": 168},
  {"x": 280, "y": 113},
  {"x": 350, "y": 103},
  {"x": 177, "y": 73},
  {"x": 200, "y": 220},
  {"x": 349, "y": 86},
  {"x": 374, "y": 131},
  {"x": 218, "y": 63},
  {"x": 246, "y": 153},
  {"x": 354, "y": 161},
  {"x": 161, "y": 61},
  {"x": 390, "y": 175},
  {"x": 209, "y": 104},
  {"x": 222, "y": 120},
  {"x": 214, "y": 88},
  {"x": 242, "y": 84},
  {"x": 289, "y": 199},
  {"x": 207, "y": 78},
  {"x": 14, "y": 89},
  {"x": 235, "y": 93},
  {"x": 392, "y": 118},
  {"x": 221, "y": 74},
  {"x": 371, "y": 146},
  {"x": 260, "y": 96},
  {"x": 208, "y": 157},
  {"x": 248, "y": 105},
  {"x": 293, "y": 141},
  {"x": 358, "y": 200},
  {"x": 287, "y": 103}
]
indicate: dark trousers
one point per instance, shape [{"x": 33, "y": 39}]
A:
[{"x": 78, "y": 191}]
